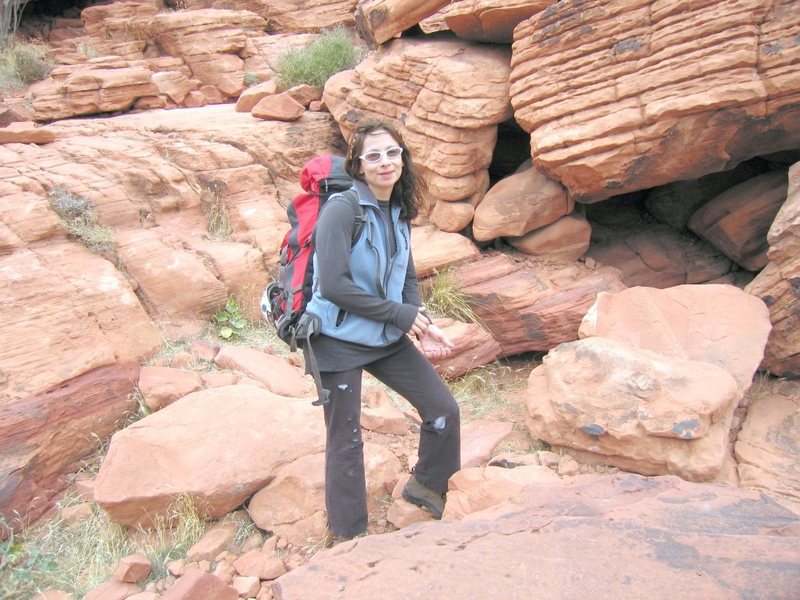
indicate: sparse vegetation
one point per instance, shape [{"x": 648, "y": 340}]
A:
[
  {"x": 333, "y": 51},
  {"x": 75, "y": 557},
  {"x": 22, "y": 63},
  {"x": 443, "y": 298},
  {"x": 86, "y": 50},
  {"x": 78, "y": 218},
  {"x": 251, "y": 79},
  {"x": 485, "y": 391},
  {"x": 211, "y": 203}
]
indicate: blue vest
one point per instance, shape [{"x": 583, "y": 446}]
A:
[{"x": 374, "y": 271}]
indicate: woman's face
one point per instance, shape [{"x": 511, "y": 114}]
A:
[{"x": 382, "y": 175}]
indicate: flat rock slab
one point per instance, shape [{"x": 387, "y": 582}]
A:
[{"x": 623, "y": 537}]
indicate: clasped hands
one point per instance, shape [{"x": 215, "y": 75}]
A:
[{"x": 432, "y": 340}]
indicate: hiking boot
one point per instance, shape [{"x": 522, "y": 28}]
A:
[{"x": 416, "y": 493}]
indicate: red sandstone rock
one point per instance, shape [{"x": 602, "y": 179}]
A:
[
  {"x": 621, "y": 534},
  {"x": 25, "y": 133},
  {"x": 380, "y": 20},
  {"x": 436, "y": 250},
  {"x": 279, "y": 107},
  {"x": 532, "y": 308},
  {"x": 259, "y": 564},
  {"x": 161, "y": 386},
  {"x": 477, "y": 488},
  {"x": 239, "y": 437},
  {"x": 490, "y": 20},
  {"x": 217, "y": 539},
  {"x": 252, "y": 95},
  {"x": 479, "y": 438},
  {"x": 195, "y": 584},
  {"x": 717, "y": 324},
  {"x": 112, "y": 590},
  {"x": 736, "y": 222},
  {"x": 278, "y": 375},
  {"x": 518, "y": 204},
  {"x": 659, "y": 256},
  {"x": 133, "y": 569},
  {"x": 638, "y": 77},
  {"x": 766, "y": 451},
  {"x": 619, "y": 404},
  {"x": 565, "y": 240}
]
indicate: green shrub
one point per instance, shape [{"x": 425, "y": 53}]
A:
[
  {"x": 230, "y": 321},
  {"x": 333, "y": 51},
  {"x": 22, "y": 63},
  {"x": 78, "y": 218}
]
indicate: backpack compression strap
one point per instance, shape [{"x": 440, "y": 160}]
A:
[{"x": 307, "y": 327}]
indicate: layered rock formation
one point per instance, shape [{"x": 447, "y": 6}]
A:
[{"x": 674, "y": 91}]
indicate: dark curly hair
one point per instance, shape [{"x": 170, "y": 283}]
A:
[{"x": 405, "y": 192}]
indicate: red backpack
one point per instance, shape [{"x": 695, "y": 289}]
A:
[{"x": 284, "y": 301}]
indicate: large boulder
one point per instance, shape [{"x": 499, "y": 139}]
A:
[
  {"x": 612, "y": 403},
  {"x": 217, "y": 447},
  {"x": 627, "y": 96},
  {"x": 519, "y": 204},
  {"x": 717, "y": 324},
  {"x": 653, "y": 383},
  {"x": 489, "y": 20}
]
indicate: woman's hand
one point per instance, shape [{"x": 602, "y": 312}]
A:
[
  {"x": 421, "y": 323},
  {"x": 435, "y": 344}
]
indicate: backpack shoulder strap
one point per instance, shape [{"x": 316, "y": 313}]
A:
[{"x": 361, "y": 216}]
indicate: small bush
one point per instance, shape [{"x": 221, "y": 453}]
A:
[
  {"x": 22, "y": 63},
  {"x": 333, "y": 51},
  {"x": 79, "y": 220}
]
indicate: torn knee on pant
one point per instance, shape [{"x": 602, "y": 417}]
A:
[{"x": 437, "y": 425}]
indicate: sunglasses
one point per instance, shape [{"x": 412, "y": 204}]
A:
[{"x": 376, "y": 156}]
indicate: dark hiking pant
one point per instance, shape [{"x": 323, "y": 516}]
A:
[{"x": 410, "y": 374}]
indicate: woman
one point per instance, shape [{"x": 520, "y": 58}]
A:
[{"x": 367, "y": 300}]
